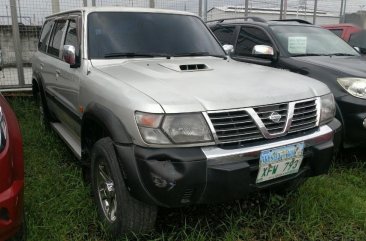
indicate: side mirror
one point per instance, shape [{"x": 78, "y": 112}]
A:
[
  {"x": 68, "y": 55},
  {"x": 358, "y": 49},
  {"x": 263, "y": 51},
  {"x": 228, "y": 48}
]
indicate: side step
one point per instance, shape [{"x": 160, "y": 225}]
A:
[{"x": 71, "y": 140}]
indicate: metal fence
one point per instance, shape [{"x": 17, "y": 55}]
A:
[{"x": 21, "y": 21}]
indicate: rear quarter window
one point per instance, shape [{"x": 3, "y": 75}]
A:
[{"x": 337, "y": 32}]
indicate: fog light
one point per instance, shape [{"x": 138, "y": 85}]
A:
[{"x": 364, "y": 123}]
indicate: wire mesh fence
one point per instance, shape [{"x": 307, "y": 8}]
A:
[{"x": 30, "y": 15}]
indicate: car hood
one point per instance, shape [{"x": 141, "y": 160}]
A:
[
  {"x": 217, "y": 84},
  {"x": 347, "y": 65}
]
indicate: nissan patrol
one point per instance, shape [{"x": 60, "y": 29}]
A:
[{"x": 159, "y": 116}]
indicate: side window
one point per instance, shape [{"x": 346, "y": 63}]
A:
[
  {"x": 45, "y": 35},
  {"x": 56, "y": 38},
  {"x": 225, "y": 34},
  {"x": 248, "y": 38},
  {"x": 337, "y": 32},
  {"x": 72, "y": 36}
]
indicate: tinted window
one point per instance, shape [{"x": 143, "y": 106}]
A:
[
  {"x": 112, "y": 34},
  {"x": 248, "y": 38},
  {"x": 337, "y": 32},
  {"x": 46, "y": 32},
  {"x": 72, "y": 37},
  {"x": 359, "y": 40},
  {"x": 55, "y": 43},
  {"x": 225, "y": 34}
]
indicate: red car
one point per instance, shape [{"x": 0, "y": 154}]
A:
[
  {"x": 343, "y": 30},
  {"x": 11, "y": 174}
]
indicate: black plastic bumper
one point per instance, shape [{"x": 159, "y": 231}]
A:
[
  {"x": 353, "y": 115},
  {"x": 183, "y": 176}
]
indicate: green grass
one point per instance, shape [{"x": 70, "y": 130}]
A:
[{"x": 59, "y": 206}]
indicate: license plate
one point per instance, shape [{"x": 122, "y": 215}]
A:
[{"x": 280, "y": 161}]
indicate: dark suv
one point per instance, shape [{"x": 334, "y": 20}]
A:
[{"x": 303, "y": 48}]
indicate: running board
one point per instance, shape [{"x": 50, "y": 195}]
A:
[{"x": 71, "y": 140}]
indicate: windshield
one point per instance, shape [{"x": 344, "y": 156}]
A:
[
  {"x": 311, "y": 41},
  {"x": 126, "y": 35}
]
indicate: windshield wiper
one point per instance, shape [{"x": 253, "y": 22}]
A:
[
  {"x": 341, "y": 54},
  {"x": 134, "y": 55},
  {"x": 309, "y": 54},
  {"x": 191, "y": 54}
]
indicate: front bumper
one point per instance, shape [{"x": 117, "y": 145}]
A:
[
  {"x": 11, "y": 210},
  {"x": 353, "y": 116},
  {"x": 183, "y": 176}
]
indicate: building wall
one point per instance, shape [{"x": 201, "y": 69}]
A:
[
  {"x": 28, "y": 38},
  {"x": 358, "y": 19}
]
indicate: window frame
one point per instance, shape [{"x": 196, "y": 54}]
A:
[
  {"x": 48, "y": 38},
  {"x": 274, "y": 46},
  {"x": 62, "y": 37},
  {"x": 235, "y": 32},
  {"x": 77, "y": 19}
]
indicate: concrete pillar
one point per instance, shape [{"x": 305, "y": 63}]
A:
[
  {"x": 16, "y": 39},
  {"x": 246, "y": 8}
]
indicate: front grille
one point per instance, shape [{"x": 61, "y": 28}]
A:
[
  {"x": 234, "y": 126},
  {"x": 264, "y": 112},
  {"x": 305, "y": 116}
]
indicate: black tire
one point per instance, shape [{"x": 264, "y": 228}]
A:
[
  {"x": 44, "y": 115},
  {"x": 22, "y": 233},
  {"x": 130, "y": 214}
]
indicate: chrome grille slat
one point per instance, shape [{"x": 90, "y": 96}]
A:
[
  {"x": 305, "y": 116},
  {"x": 233, "y": 123},
  {"x": 236, "y": 127},
  {"x": 281, "y": 109},
  {"x": 238, "y": 134}
]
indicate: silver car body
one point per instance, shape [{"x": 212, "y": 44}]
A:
[{"x": 157, "y": 85}]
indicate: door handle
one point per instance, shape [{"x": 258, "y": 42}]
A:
[
  {"x": 58, "y": 72},
  {"x": 42, "y": 65}
]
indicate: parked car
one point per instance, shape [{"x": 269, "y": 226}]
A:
[
  {"x": 149, "y": 102},
  {"x": 308, "y": 50},
  {"x": 358, "y": 41},
  {"x": 343, "y": 30},
  {"x": 352, "y": 34},
  {"x": 11, "y": 175}
]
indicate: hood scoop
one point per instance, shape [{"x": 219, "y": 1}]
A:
[{"x": 186, "y": 67}]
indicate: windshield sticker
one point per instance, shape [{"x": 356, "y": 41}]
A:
[{"x": 297, "y": 45}]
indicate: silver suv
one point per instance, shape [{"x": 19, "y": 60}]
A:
[{"x": 159, "y": 115}]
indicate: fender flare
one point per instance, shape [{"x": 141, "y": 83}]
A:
[{"x": 110, "y": 122}]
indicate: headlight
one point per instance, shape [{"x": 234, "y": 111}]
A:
[
  {"x": 175, "y": 128},
  {"x": 327, "y": 108},
  {"x": 354, "y": 86},
  {"x": 3, "y": 130}
]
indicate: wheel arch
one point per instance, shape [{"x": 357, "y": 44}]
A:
[{"x": 97, "y": 122}]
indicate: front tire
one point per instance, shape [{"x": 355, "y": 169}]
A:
[
  {"x": 119, "y": 211},
  {"x": 45, "y": 117}
]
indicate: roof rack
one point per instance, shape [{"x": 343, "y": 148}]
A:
[
  {"x": 293, "y": 20},
  {"x": 255, "y": 19}
]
